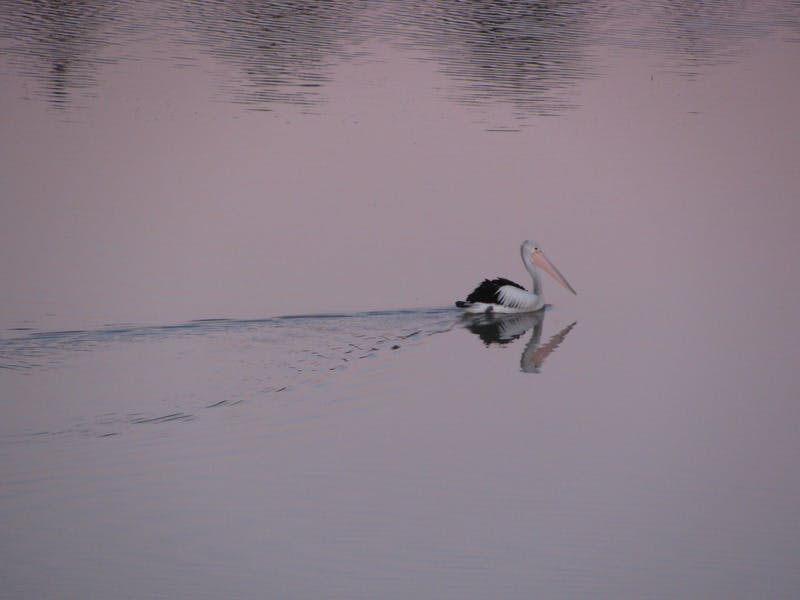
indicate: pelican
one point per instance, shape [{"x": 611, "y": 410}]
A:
[{"x": 504, "y": 296}]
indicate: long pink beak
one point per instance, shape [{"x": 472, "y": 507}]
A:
[{"x": 540, "y": 260}]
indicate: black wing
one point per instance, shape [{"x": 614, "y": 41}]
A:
[{"x": 488, "y": 290}]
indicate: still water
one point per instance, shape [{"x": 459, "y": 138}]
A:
[{"x": 178, "y": 177}]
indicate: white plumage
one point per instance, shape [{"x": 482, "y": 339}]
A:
[{"x": 515, "y": 298}]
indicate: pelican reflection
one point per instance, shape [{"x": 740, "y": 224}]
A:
[{"x": 503, "y": 329}]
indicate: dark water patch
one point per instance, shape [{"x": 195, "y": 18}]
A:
[
  {"x": 528, "y": 55},
  {"x": 531, "y": 55},
  {"x": 695, "y": 36},
  {"x": 61, "y": 45},
  {"x": 283, "y": 52}
]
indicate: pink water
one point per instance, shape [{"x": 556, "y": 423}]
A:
[{"x": 164, "y": 163}]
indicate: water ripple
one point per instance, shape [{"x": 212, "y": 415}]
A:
[
  {"x": 285, "y": 50},
  {"x": 152, "y": 375},
  {"x": 528, "y": 55}
]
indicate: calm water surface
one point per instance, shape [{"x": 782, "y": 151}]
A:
[{"x": 175, "y": 176}]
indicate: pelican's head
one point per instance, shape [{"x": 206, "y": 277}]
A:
[{"x": 532, "y": 253}]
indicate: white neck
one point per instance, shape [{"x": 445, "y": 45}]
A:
[{"x": 531, "y": 268}]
